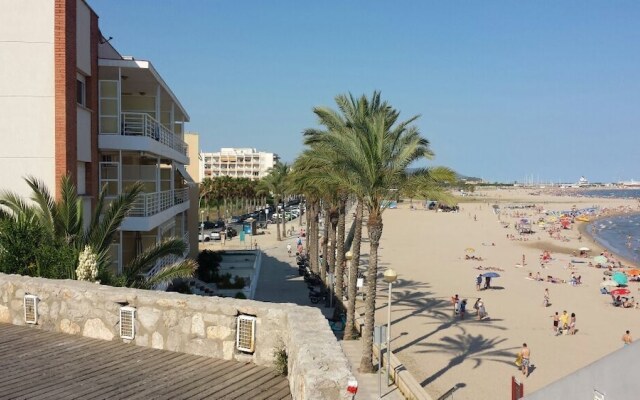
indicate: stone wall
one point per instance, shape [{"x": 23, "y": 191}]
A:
[{"x": 204, "y": 326}]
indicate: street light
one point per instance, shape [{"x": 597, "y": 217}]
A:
[
  {"x": 202, "y": 226},
  {"x": 389, "y": 276}
]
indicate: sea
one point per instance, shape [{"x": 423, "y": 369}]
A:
[{"x": 620, "y": 234}]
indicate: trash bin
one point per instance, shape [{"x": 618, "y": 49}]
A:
[{"x": 249, "y": 226}]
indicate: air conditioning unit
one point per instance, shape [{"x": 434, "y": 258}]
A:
[
  {"x": 246, "y": 333},
  {"x": 127, "y": 322},
  {"x": 30, "y": 309}
]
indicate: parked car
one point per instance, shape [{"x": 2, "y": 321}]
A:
[
  {"x": 212, "y": 224},
  {"x": 235, "y": 219},
  {"x": 207, "y": 237}
]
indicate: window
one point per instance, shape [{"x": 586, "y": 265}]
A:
[{"x": 81, "y": 93}]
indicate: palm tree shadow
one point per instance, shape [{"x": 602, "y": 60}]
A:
[{"x": 464, "y": 347}]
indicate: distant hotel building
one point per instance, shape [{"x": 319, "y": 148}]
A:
[
  {"x": 72, "y": 105},
  {"x": 238, "y": 163}
]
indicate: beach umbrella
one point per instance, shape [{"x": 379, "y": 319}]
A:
[
  {"x": 469, "y": 249},
  {"x": 633, "y": 272},
  {"x": 491, "y": 275},
  {"x": 584, "y": 249},
  {"x": 600, "y": 260},
  {"x": 620, "y": 292},
  {"x": 620, "y": 278},
  {"x": 608, "y": 282}
]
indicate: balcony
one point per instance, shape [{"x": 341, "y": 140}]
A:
[
  {"x": 152, "y": 209},
  {"x": 141, "y": 124},
  {"x": 148, "y": 204},
  {"x": 141, "y": 132}
]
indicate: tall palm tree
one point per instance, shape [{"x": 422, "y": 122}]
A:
[
  {"x": 277, "y": 181},
  {"x": 64, "y": 219},
  {"x": 376, "y": 149}
]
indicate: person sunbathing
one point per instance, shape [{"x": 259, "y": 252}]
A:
[{"x": 551, "y": 279}]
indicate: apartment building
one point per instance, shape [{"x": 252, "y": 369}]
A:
[
  {"x": 238, "y": 163},
  {"x": 72, "y": 105},
  {"x": 195, "y": 167}
]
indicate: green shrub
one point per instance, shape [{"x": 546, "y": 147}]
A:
[
  {"x": 240, "y": 295},
  {"x": 281, "y": 361}
]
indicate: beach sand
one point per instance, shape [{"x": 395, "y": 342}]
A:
[{"x": 427, "y": 251}]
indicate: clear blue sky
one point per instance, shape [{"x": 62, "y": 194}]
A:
[{"x": 506, "y": 89}]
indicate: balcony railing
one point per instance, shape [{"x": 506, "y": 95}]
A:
[
  {"x": 148, "y": 204},
  {"x": 142, "y": 124},
  {"x": 169, "y": 260}
]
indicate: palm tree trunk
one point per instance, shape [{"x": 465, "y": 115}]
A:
[
  {"x": 350, "y": 331},
  {"x": 331, "y": 258},
  {"x": 325, "y": 242},
  {"x": 312, "y": 236},
  {"x": 374, "y": 227},
  {"x": 278, "y": 226},
  {"x": 340, "y": 260}
]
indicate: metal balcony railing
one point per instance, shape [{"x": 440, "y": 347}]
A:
[
  {"x": 169, "y": 260},
  {"x": 148, "y": 204},
  {"x": 142, "y": 124}
]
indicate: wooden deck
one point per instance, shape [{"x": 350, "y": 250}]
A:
[{"x": 36, "y": 364}]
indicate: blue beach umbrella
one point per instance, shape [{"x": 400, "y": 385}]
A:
[
  {"x": 491, "y": 275},
  {"x": 620, "y": 278}
]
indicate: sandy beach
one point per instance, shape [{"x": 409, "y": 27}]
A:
[{"x": 428, "y": 250}]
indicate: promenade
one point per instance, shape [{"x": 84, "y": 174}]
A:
[{"x": 279, "y": 282}]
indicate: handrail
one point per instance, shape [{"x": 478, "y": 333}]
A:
[
  {"x": 148, "y": 204},
  {"x": 142, "y": 124}
]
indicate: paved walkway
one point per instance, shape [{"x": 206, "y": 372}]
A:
[{"x": 279, "y": 282}]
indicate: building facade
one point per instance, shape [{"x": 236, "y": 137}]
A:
[
  {"x": 195, "y": 167},
  {"x": 238, "y": 163},
  {"x": 79, "y": 108}
]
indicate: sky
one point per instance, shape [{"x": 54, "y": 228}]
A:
[{"x": 506, "y": 90}]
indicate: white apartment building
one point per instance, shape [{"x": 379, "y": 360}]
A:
[
  {"x": 72, "y": 105},
  {"x": 238, "y": 163}
]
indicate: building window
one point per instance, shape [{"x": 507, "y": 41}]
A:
[{"x": 81, "y": 93}]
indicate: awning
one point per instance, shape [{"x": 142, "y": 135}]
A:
[{"x": 182, "y": 171}]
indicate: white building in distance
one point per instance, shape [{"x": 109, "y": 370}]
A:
[{"x": 238, "y": 163}]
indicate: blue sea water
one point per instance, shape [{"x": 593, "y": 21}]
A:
[{"x": 620, "y": 234}]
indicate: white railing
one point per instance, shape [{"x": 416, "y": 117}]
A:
[
  {"x": 148, "y": 204},
  {"x": 169, "y": 260},
  {"x": 142, "y": 124}
]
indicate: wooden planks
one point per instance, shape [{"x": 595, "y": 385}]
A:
[{"x": 42, "y": 365}]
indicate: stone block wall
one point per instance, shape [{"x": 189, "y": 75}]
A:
[{"x": 204, "y": 326}]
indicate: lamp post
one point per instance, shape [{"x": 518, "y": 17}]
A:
[
  {"x": 389, "y": 276},
  {"x": 202, "y": 226}
]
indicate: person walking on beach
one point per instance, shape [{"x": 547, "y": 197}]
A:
[
  {"x": 482, "y": 312},
  {"x": 289, "y": 249},
  {"x": 545, "y": 301},
  {"x": 478, "y": 281},
  {"x": 572, "y": 324},
  {"x": 455, "y": 302},
  {"x": 564, "y": 321},
  {"x": 556, "y": 321},
  {"x": 626, "y": 338},
  {"x": 463, "y": 308},
  {"x": 526, "y": 354}
]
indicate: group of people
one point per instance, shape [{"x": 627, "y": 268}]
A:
[
  {"x": 460, "y": 307},
  {"x": 564, "y": 324},
  {"x": 487, "y": 282}
]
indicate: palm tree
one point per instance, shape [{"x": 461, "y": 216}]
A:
[
  {"x": 64, "y": 219},
  {"x": 277, "y": 182},
  {"x": 376, "y": 149}
]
